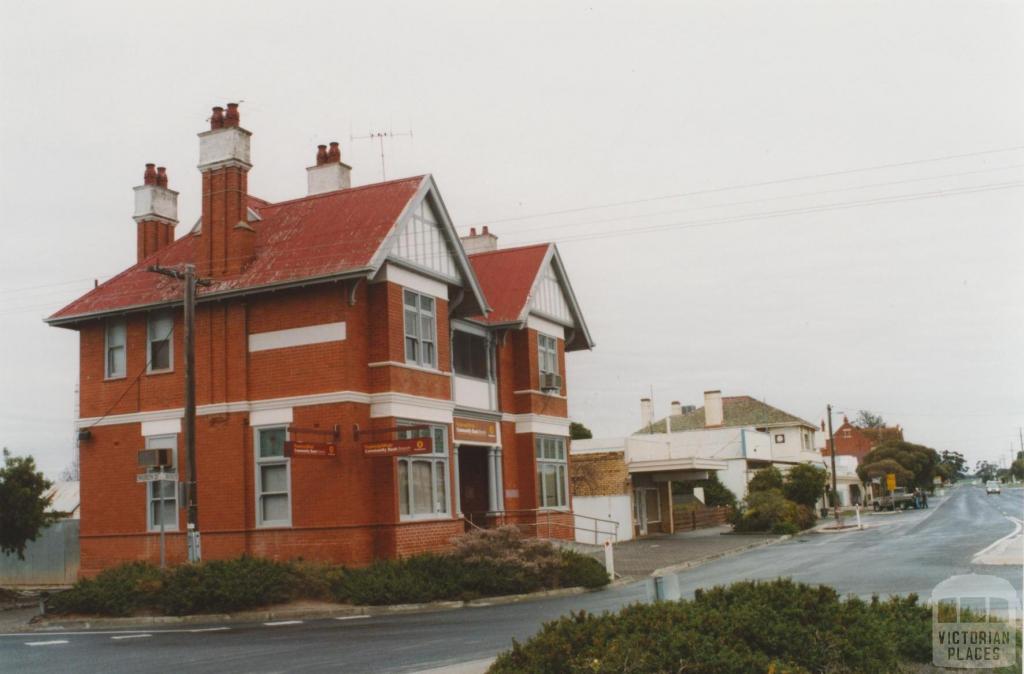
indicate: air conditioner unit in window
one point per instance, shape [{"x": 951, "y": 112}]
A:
[
  {"x": 155, "y": 458},
  {"x": 550, "y": 382}
]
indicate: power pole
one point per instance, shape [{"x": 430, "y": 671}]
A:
[
  {"x": 191, "y": 493},
  {"x": 835, "y": 489}
]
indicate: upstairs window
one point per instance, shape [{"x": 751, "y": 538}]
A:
[
  {"x": 420, "y": 330},
  {"x": 469, "y": 355},
  {"x": 116, "y": 348},
  {"x": 547, "y": 354},
  {"x": 161, "y": 345}
]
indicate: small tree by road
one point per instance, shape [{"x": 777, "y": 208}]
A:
[
  {"x": 952, "y": 465},
  {"x": 804, "y": 484},
  {"x": 765, "y": 479},
  {"x": 986, "y": 470},
  {"x": 23, "y": 503},
  {"x": 914, "y": 465}
]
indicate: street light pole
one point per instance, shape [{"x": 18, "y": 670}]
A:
[{"x": 835, "y": 489}]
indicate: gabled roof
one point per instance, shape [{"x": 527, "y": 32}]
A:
[
  {"x": 321, "y": 237},
  {"x": 509, "y": 278},
  {"x": 737, "y": 411}
]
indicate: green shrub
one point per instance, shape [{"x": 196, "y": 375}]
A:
[
  {"x": 581, "y": 571},
  {"x": 765, "y": 479},
  {"x": 777, "y": 626},
  {"x": 120, "y": 591},
  {"x": 222, "y": 586},
  {"x": 770, "y": 511}
]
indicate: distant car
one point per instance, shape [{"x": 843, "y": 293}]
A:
[{"x": 992, "y": 487}]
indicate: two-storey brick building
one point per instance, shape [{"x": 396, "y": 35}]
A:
[{"x": 330, "y": 319}]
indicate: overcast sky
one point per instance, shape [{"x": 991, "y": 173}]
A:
[{"x": 790, "y": 276}]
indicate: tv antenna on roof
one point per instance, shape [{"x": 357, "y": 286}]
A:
[{"x": 380, "y": 136}]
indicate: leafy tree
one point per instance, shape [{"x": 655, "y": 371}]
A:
[
  {"x": 804, "y": 484},
  {"x": 1017, "y": 468},
  {"x": 985, "y": 470},
  {"x": 715, "y": 493},
  {"x": 578, "y": 431},
  {"x": 765, "y": 479},
  {"x": 867, "y": 419},
  {"x": 952, "y": 465},
  {"x": 914, "y": 465},
  {"x": 23, "y": 503}
]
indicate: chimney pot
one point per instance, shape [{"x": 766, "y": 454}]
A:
[
  {"x": 161, "y": 176},
  {"x": 217, "y": 119},
  {"x": 231, "y": 117},
  {"x": 149, "y": 177},
  {"x": 485, "y": 230},
  {"x": 321, "y": 155},
  {"x": 334, "y": 154},
  {"x": 677, "y": 408}
]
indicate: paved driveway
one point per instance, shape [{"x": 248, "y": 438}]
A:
[{"x": 641, "y": 557}]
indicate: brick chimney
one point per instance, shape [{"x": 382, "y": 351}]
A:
[
  {"x": 479, "y": 243},
  {"x": 713, "y": 413},
  {"x": 226, "y": 240},
  {"x": 156, "y": 212},
  {"x": 329, "y": 174}
]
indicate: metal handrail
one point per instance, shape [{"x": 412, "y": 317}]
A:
[{"x": 548, "y": 512}]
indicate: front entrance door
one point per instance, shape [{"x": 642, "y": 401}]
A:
[
  {"x": 474, "y": 497},
  {"x": 646, "y": 509}
]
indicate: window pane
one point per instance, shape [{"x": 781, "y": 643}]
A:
[
  {"x": 166, "y": 509},
  {"x": 164, "y": 489},
  {"x": 550, "y": 486},
  {"x": 428, "y": 353},
  {"x": 440, "y": 495},
  {"x": 440, "y": 440},
  {"x": 411, "y": 324},
  {"x": 428, "y": 328},
  {"x": 427, "y": 304},
  {"x": 538, "y": 447},
  {"x": 115, "y": 361},
  {"x": 275, "y": 508},
  {"x": 272, "y": 442},
  {"x": 403, "y": 487},
  {"x": 421, "y": 479},
  {"x": 160, "y": 355},
  {"x": 116, "y": 333},
  {"x": 410, "y": 299},
  {"x": 561, "y": 486},
  {"x": 274, "y": 478}
]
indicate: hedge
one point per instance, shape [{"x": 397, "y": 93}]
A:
[
  {"x": 776, "y": 626},
  {"x": 486, "y": 564}
]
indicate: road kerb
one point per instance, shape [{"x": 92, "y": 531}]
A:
[{"x": 287, "y": 613}]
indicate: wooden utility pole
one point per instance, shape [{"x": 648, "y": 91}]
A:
[
  {"x": 835, "y": 489},
  {"x": 191, "y": 493}
]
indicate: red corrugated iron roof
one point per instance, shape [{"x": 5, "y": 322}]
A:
[
  {"x": 317, "y": 236},
  {"x": 507, "y": 277}
]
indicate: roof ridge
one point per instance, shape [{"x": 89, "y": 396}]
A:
[
  {"x": 310, "y": 197},
  {"x": 509, "y": 250}
]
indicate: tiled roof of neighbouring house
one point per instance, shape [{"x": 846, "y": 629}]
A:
[{"x": 737, "y": 411}]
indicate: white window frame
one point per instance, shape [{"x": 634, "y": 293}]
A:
[
  {"x": 151, "y": 338},
  {"x": 418, "y": 339},
  {"x": 168, "y": 441},
  {"x": 439, "y": 461},
  {"x": 107, "y": 346},
  {"x": 547, "y": 464},
  {"x": 264, "y": 461},
  {"x": 547, "y": 348}
]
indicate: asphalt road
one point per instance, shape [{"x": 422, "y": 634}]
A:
[{"x": 901, "y": 553}]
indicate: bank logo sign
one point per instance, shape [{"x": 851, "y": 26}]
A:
[{"x": 974, "y": 620}]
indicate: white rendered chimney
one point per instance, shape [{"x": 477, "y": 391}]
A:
[
  {"x": 713, "y": 415},
  {"x": 677, "y": 408},
  {"x": 646, "y": 412},
  {"x": 483, "y": 242},
  {"x": 329, "y": 174}
]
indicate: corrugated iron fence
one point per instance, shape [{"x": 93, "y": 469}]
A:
[{"x": 50, "y": 560}]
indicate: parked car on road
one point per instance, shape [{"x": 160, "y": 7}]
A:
[
  {"x": 993, "y": 487},
  {"x": 899, "y": 498}
]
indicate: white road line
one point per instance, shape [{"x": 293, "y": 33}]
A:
[
  {"x": 1016, "y": 531},
  {"x": 283, "y": 622},
  {"x": 351, "y": 617},
  {"x": 132, "y": 636},
  {"x": 46, "y": 643},
  {"x": 209, "y": 629}
]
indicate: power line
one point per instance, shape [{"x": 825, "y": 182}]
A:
[{"x": 763, "y": 183}]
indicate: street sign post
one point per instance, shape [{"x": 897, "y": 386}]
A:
[
  {"x": 156, "y": 477},
  {"x": 403, "y": 447},
  {"x": 890, "y": 482}
]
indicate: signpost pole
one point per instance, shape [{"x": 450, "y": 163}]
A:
[
  {"x": 835, "y": 490},
  {"x": 163, "y": 556}
]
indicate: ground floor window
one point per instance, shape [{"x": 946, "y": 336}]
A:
[
  {"x": 423, "y": 478},
  {"x": 162, "y": 497},
  {"x": 273, "y": 477},
  {"x": 552, "y": 472}
]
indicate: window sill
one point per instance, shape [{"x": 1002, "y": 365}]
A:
[
  {"x": 408, "y": 519},
  {"x": 152, "y": 372},
  {"x": 273, "y": 525},
  {"x": 118, "y": 377},
  {"x": 167, "y": 530}
]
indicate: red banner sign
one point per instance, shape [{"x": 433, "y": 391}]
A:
[
  {"x": 399, "y": 447},
  {"x": 320, "y": 450}
]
